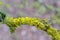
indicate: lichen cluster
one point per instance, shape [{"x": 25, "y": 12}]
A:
[{"x": 13, "y": 23}]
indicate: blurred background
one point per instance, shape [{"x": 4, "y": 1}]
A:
[{"x": 45, "y": 9}]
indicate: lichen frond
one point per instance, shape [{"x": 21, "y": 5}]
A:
[{"x": 13, "y": 23}]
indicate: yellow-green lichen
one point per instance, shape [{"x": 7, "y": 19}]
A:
[{"x": 13, "y": 23}]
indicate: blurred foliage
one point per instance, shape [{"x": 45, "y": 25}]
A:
[
  {"x": 1, "y": 3},
  {"x": 57, "y": 19},
  {"x": 36, "y": 5},
  {"x": 56, "y": 16},
  {"x": 51, "y": 7},
  {"x": 40, "y": 1},
  {"x": 42, "y": 9}
]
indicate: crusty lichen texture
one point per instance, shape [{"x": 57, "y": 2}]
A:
[{"x": 13, "y": 23}]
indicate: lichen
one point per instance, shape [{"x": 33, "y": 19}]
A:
[{"x": 42, "y": 24}]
